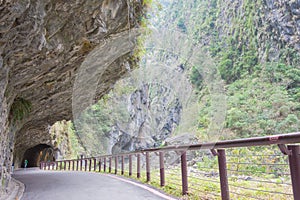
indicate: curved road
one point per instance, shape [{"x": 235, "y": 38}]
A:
[{"x": 49, "y": 185}]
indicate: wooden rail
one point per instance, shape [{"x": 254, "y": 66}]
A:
[{"x": 287, "y": 143}]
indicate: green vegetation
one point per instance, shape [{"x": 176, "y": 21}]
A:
[
  {"x": 19, "y": 109},
  {"x": 259, "y": 107},
  {"x": 65, "y": 139},
  {"x": 94, "y": 124},
  {"x": 75, "y": 147},
  {"x": 262, "y": 89}
]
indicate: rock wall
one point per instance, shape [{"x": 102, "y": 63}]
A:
[
  {"x": 42, "y": 46},
  {"x": 154, "y": 114},
  {"x": 6, "y": 143},
  {"x": 283, "y": 18},
  {"x": 64, "y": 141},
  {"x": 273, "y": 23}
]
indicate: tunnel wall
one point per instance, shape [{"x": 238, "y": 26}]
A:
[{"x": 38, "y": 153}]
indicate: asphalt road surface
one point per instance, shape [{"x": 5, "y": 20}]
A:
[{"x": 49, "y": 185}]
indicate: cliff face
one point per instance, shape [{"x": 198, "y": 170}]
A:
[
  {"x": 129, "y": 118},
  {"x": 154, "y": 113},
  {"x": 274, "y": 24},
  {"x": 255, "y": 47},
  {"x": 43, "y": 44}
]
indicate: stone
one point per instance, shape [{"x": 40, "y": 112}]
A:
[
  {"x": 43, "y": 45},
  {"x": 154, "y": 113}
]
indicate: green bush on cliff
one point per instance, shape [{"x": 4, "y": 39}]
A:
[
  {"x": 19, "y": 109},
  {"x": 257, "y": 107}
]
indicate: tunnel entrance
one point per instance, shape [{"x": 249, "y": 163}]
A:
[{"x": 38, "y": 153}]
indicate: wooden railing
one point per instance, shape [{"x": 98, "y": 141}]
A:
[{"x": 287, "y": 145}]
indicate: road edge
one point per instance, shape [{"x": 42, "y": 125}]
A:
[
  {"x": 143, "y": 186},
  {"x": 18, "y": 192}
]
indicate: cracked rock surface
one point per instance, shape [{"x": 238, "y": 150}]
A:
[{"x": 43, "y": 45}]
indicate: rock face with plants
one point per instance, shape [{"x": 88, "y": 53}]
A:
[
  {"x": 132, "y": 120},
  {"x": 154, "y": 115},
  {"x": 255, "y": 46},
  {"x": 43, "y": 44}
]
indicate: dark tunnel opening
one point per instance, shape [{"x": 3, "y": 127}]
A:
[{"x": 36, "y": 154}]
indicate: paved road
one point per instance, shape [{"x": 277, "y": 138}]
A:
[{"x": 49, "y": 185}]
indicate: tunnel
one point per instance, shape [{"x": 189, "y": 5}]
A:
[{"x": 38, "y": 153}]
